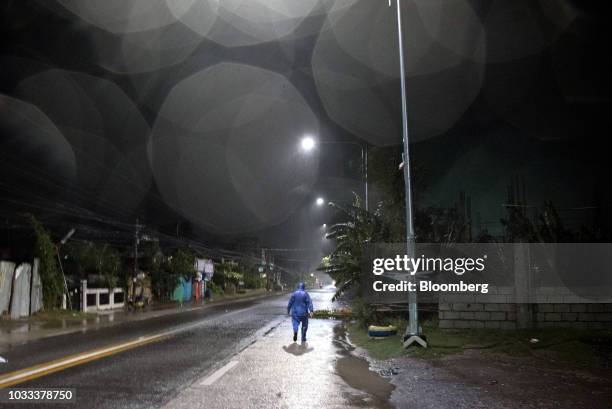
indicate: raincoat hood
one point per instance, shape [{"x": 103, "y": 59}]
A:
[{"x": 300, "y": 303}]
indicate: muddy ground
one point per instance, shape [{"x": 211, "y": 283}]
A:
[{"x": 481, "y": 379}]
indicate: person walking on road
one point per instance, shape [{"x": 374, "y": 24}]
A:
[{"x": 300, "y": 307}]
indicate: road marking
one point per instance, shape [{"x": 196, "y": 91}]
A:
[
  {"x": 37, "y": 371},
  {"x": 215, "y": 376}
]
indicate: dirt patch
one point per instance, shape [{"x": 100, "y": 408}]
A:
[
  {"x": 528, "y": 379},
  {"x": 483, "y": 379}
]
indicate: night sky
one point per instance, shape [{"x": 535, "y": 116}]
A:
[{"x": 189, "y": 118}]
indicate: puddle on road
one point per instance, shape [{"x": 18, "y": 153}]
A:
[{"x": 355, "y": 371}]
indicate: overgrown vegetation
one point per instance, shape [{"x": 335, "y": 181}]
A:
[
  {"x": 581, "y": 348},
  {"x": 387, "y": 223},
  {"x": 359, "y": 228},
  {"x": 227, "y": 276},
  {"x": 45, "y": 250},
  {"x": 98, "y": 258},
  {"x": 161, "y": 285},
  {"x": 180, "y": 265},
  {"x": 111, "y": 265},
  {"x": 546, "y": 227}
]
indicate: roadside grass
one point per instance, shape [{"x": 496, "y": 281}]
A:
[
  {"x": 66, "y": 315},
  {"x": 581, "y": 348},
  {"x": 382, "y": 349}
]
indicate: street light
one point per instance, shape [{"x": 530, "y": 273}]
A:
[
  {"x": 324, "y": 225},
  {"x": 320, "y": 201},
  {"x": 67, "y": 237},
  {"x": 63, "y": 241},
  {"x": 308, "y": 143},
  {"x": 412, "y": 333}
]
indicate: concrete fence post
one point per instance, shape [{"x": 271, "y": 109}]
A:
[{"x": 84, "y": 295}]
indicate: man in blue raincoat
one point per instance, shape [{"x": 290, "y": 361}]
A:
[{"x": 300, "y": 307}]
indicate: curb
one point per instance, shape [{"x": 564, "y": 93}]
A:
[{"x": 142, "y": 317}]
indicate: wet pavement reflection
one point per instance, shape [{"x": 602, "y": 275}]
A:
[
  {"x": 275, "y": 372},
  {"x": 298, "y": 349}
]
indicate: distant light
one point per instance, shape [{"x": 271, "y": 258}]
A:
[
  {"x": 320, "y": 201},
  {"x": 324, "y": 224},
  {"x": 308, "y": 144},
  {"x": 312, "y": 274},
  {"x": 67, "y": 236}
]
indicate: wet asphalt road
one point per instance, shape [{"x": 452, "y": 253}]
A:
[{"x": 151, "y": 375}]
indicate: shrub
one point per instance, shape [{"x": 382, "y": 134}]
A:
[{"x": 45, "y": 250}]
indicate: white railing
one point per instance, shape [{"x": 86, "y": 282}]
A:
[{"x": 97, "y": 306}]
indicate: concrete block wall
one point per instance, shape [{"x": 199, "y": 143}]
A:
[
  {"x": 573, "y": 315},
  {"x": 564, "y": 295},
  {"x": 496, "y": 309},
  {"x": 550, "y": 307}
]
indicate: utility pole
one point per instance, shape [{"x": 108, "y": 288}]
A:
[
  {"x": 264, "y": 264},
  {"x": 364, "y": 156},
  {"x": 412, "y": 333},
  {"x": 63, "y": 241},
  {"x": 136, "y": 242}
]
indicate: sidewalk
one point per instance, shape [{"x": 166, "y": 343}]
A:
[
  {"x": 328, "y": 372},
  {"x": 275, "y": 372},
  {"x": 14, "y": 332}
]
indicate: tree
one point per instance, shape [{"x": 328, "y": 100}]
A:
[
  {"x": 108, "y": 263},
  {"x": 80, "y": 254},
  {"x": 388, "y": 222},
  {"x": 227, "y": 272},
  {"x": 45, "y": 250},
  {"x": 181, "y": 264},
  {"x": 360, "y": 227},
  {"x": 545, "y": 227},
  {"x": 251, "y": 276},
  {"x": 100, "y": 258},
  {"x": 387, "y": 181},
  {"x": 160, "y": 285}
]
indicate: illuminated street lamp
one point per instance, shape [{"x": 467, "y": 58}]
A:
[
  {"x": 308, "y": 143},
  {"x": 320, "y": 201}
]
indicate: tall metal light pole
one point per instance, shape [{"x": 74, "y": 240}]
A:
[{"x": 412, "y": 333}]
